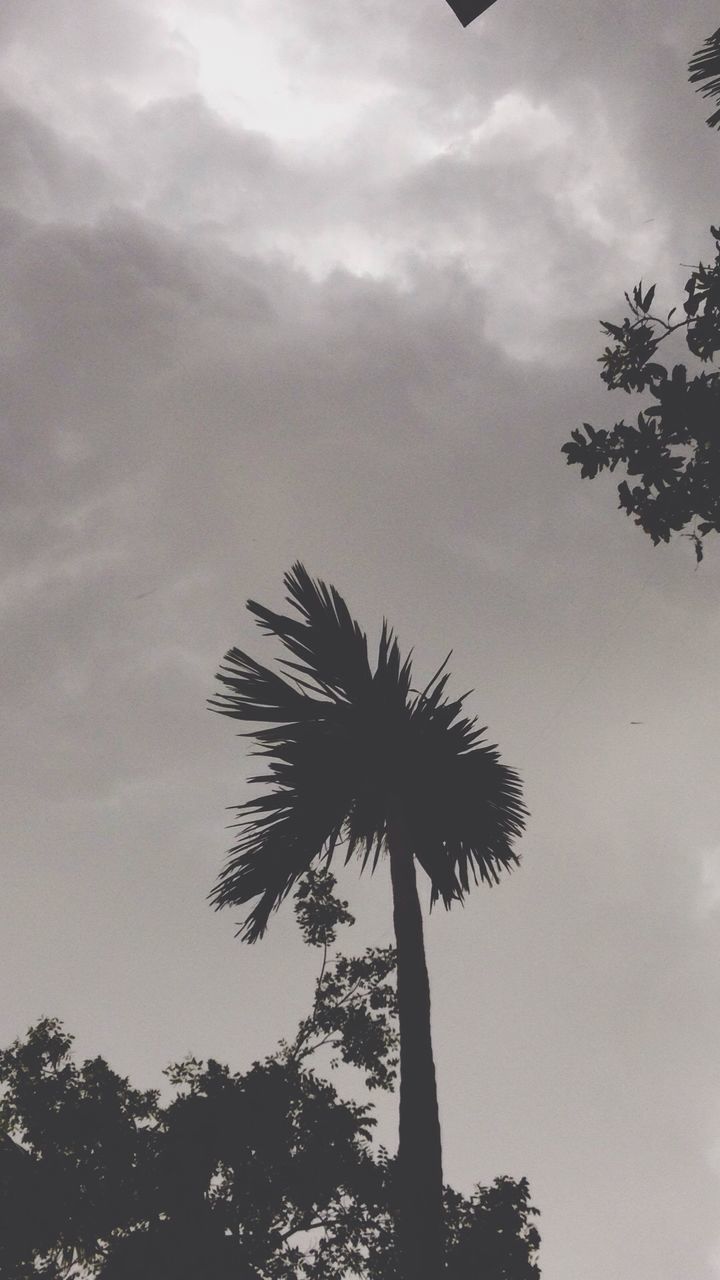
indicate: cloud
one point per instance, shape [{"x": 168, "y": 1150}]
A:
[{"x": 530, "y": 190}]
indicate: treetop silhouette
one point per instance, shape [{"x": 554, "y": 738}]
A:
[
  {"x": 262, "y": 1174},
  {"x": 352, "y": 749}
]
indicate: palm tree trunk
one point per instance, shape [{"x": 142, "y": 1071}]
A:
[{"x": 419, "y": 1205}]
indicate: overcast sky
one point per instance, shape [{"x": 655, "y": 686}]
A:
[{"x": 321, "y": 279}]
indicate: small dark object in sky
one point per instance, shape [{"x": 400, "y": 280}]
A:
[
  {"x": 468, "y": 10},
  {"x": 637, "y": 721}
]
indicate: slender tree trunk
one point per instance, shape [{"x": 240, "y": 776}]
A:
[{"x": 420, "y": 1219}]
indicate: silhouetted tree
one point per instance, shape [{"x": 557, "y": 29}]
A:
[
  {"x": 86, "y": 1138},
  {"x": 261, "y": 1175},
  {"x": 224, "y": 1178},
  {"x": 355, "y": 756},
  {"x": 674, "y": 450},
  {"x": 493, "y": 1236}
]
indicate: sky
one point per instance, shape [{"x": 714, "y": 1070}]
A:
[{"x": 322, "y": 280}]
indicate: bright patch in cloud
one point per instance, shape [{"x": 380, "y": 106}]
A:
[
  {"x": 708, "y": 900},
  {"x": 247, "y": 74},
  {"x": 514, "y": 119}
]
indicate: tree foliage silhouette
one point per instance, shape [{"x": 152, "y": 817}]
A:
[
  {"x": 355, "y": 757},
  {"x": 259, "y": 1175},
  {"x": 84, "y": 1135},
  {"x": 674, "y": 449},
  {"x": 222, "y": 1182}
]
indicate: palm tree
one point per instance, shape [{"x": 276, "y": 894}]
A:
[
  {"x": 704, "y": 70},
  {"x": 357, "y": 757}
]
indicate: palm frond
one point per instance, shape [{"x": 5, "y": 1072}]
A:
[
  {"x": 468, "y": 811},
  {"x": 704, "y": 69},
  {"x": 258, "y": 693},
  {"x": 330, "y": 646},
  {"x": 298, "y": 817},
  {"x": 393, "y": 676}
]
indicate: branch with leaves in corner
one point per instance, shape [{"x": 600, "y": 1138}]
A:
[{"x": 674, "y": 448}]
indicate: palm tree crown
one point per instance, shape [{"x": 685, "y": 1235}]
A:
[{"x": 350, "y": 750}]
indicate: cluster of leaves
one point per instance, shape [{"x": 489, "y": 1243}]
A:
[
  {"x": 492, "y": 1232},
  {"x": 318, "y": 910},
  {"x": 265, "y": 1174},
  {"x": 354, "y": 1016},
  {"x": 674, "y": 449},
  {"x": 74, "y": 1138},
  {"x": 355, "y": 1010}
]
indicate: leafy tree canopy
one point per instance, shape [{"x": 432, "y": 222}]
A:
[
  {"x": 672, "y": 452},
  {"x": 265, "y": 1174}
]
